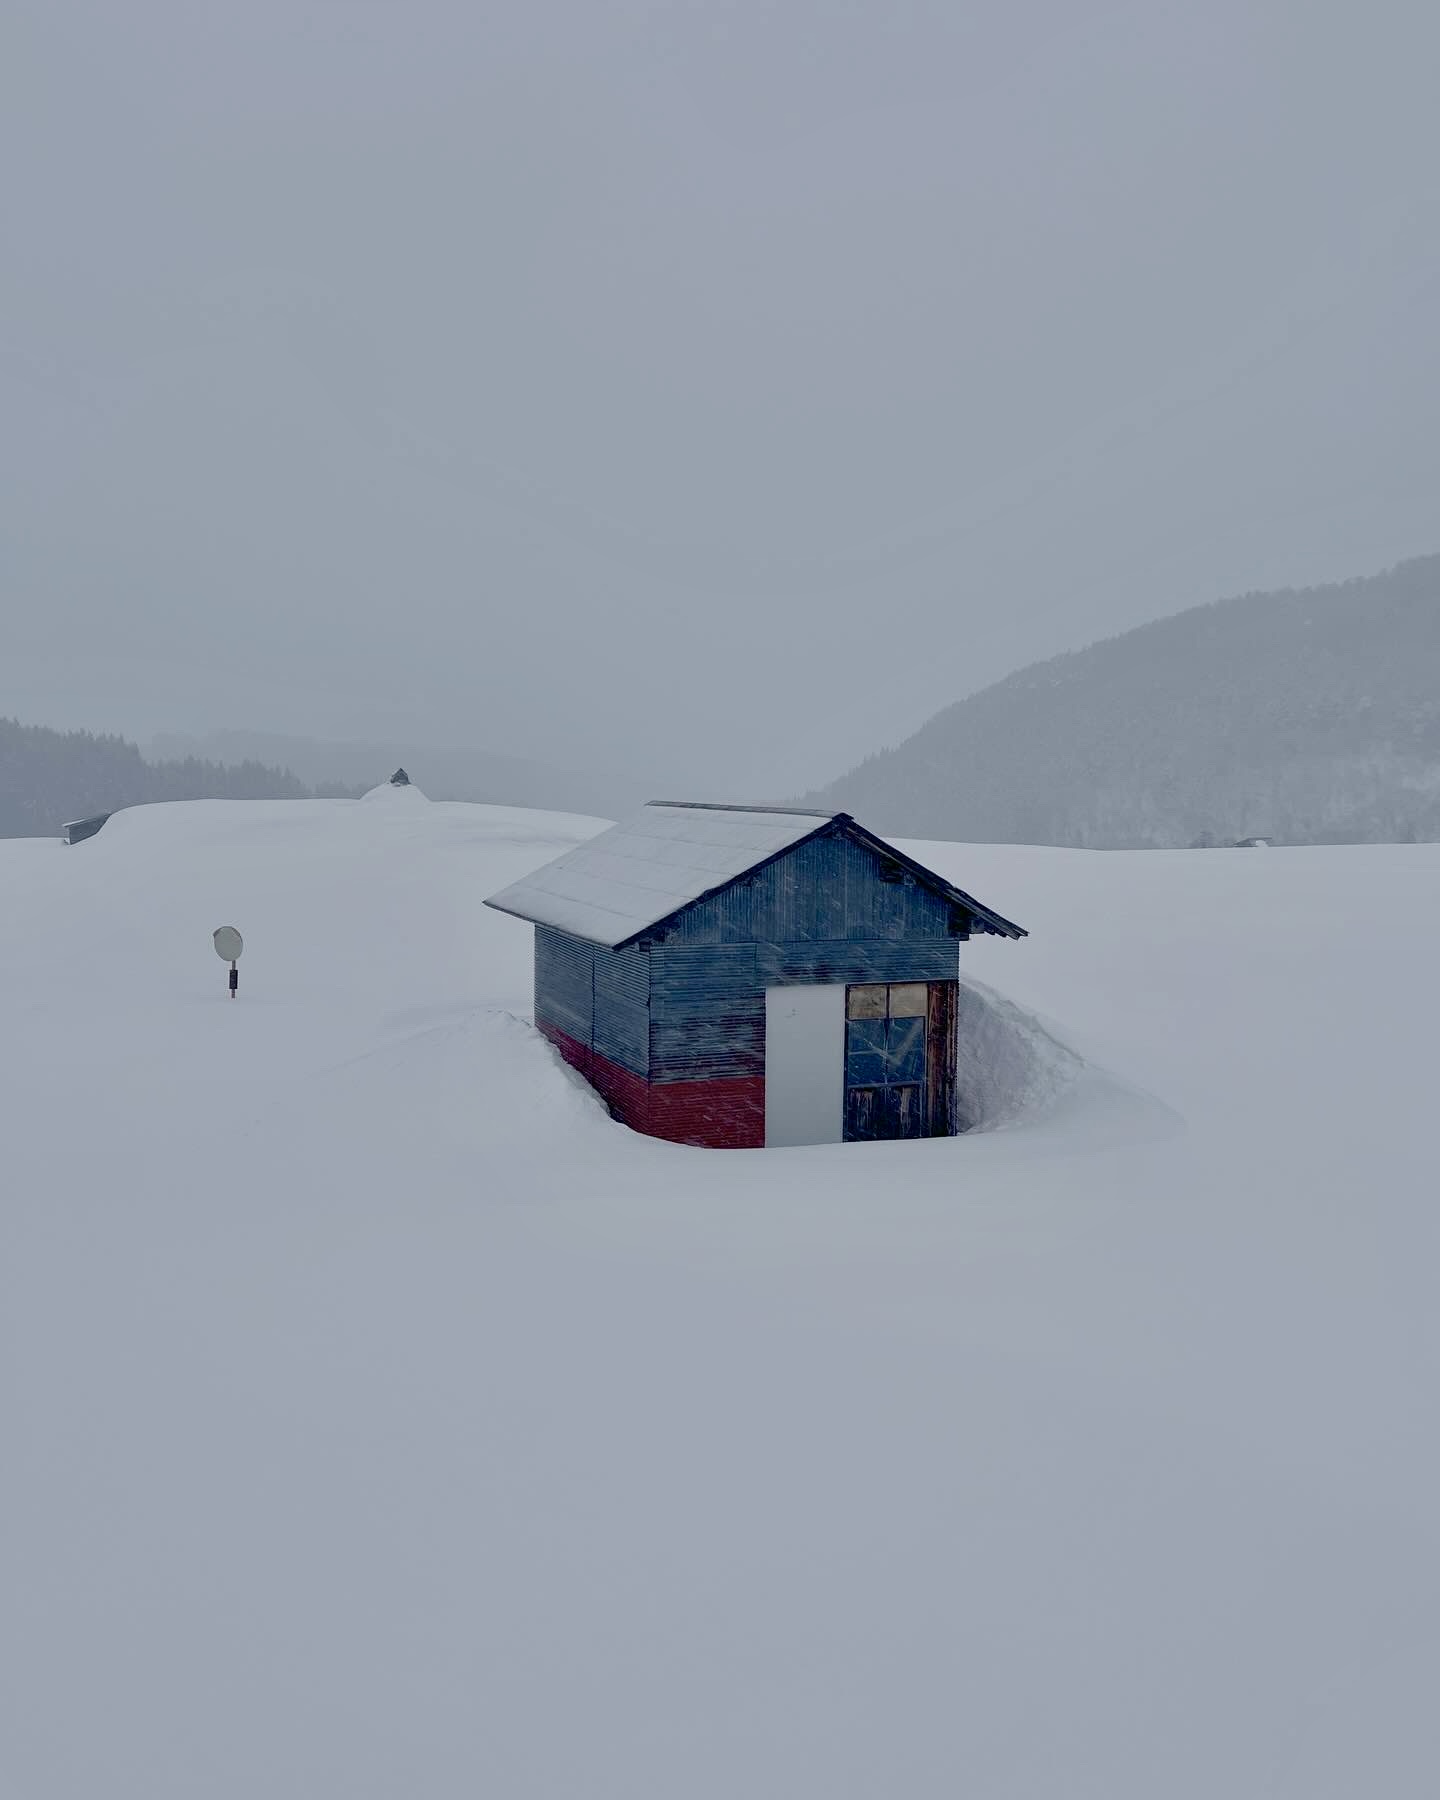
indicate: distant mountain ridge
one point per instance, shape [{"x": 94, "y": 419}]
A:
[{"x": 1306, "y": 715}]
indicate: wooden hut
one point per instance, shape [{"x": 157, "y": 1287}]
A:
[{"x": 743, "y": 976}]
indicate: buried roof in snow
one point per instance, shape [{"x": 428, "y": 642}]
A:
[
  {"x": 77, "y": 830},
  {"x": 670, "y": 854}
]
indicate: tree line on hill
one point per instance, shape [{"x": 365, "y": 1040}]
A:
[
  {"x": 48, "y": 778},
  {"x": 1306, "y": 716}
]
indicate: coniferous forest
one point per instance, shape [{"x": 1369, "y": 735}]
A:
[{"x": 50, "y": 777}]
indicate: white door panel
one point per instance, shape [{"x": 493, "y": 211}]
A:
[{"x": 805, "y": 1064}]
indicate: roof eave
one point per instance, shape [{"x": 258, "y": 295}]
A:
[
  {"x": 530, "y": 918},
  {"x": 993, "y": 924}
]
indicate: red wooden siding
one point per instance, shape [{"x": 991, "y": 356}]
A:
[{"x": 722, "y": 1114}]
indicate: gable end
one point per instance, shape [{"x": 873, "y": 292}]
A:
[{"x": 839, "y": 883}]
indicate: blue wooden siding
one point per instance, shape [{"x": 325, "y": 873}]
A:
[
  {"x": 710, "y": 1049},
  {"x": 598, "y": 997},
  {"x": 827, "y": 888},
  {"x": 923, "y": 959},
  {"x": 622, "y": 1007},
  {"x": 707, "y": 1002},
  {"x": 707, "y": 1012},
  {"x": 565, "y": 983},
  {"x": 691, "y": 1007}
]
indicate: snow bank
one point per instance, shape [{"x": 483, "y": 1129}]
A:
[
  {"x": 1008, "y": 1065},
  {"x": 380, "y": 1418},
  {"x": 406, "y": 796}
]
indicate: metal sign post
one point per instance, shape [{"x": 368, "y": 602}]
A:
[{"x": 228, "y": 946}]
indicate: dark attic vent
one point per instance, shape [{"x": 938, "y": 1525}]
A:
[{"x": 892, "y": 872}]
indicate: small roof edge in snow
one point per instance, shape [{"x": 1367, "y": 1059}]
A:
[
  {"x": 76, "y": 831},
  {"x": 789, "y": 812}
]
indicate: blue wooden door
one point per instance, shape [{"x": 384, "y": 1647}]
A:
[{"x": 885, "y": 1060}]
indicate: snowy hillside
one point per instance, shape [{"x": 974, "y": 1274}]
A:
[
  {"x": 382, "y": 1420},
  {"x": 1309, "y": 716}
]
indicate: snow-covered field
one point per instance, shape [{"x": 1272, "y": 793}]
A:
[{"x": 380, "y": 1420}]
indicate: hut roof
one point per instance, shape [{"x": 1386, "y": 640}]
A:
[{"x": 672, "y": 853}]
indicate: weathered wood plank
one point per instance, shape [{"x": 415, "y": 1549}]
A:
[
  {"x": 928, "y": 959},
  {"x": 826, "y": 888},
  {"x": 940, "y": 1059},
  {"x": 622, "y": 1033},
  {"x": 565, "y": 983},
  {"x": 692, "y": 1049}
]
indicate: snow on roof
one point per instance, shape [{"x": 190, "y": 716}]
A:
[
  {"x": 391, "y": 793},
  {"x": 651, "y": 864}
]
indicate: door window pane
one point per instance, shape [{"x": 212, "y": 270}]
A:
[
  {"x": 865, "y": 1034},
  {"x": 907, "y": 999},
  {"x": 865, "y": 1052},
  {"x": 864, "y": 1068},
  {"x": 867, "y": 1002},
  {"x": 906, "y": 1050}
]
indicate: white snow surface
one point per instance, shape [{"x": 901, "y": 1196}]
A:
[
  {"x": 380, "y": 1419},
  {"x": 387, "y": 794},
  {"x": 659, "y": 859}
]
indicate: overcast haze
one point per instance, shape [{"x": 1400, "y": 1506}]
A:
[{"x": 705, "y": 390}]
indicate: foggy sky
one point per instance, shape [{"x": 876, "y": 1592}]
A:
[{"x": 709, "y": 389}]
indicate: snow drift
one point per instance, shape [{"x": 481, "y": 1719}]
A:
[{"x": 380, "y": 1418}]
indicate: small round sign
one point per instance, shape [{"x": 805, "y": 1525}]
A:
[{"x": 228, "y": 944}]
